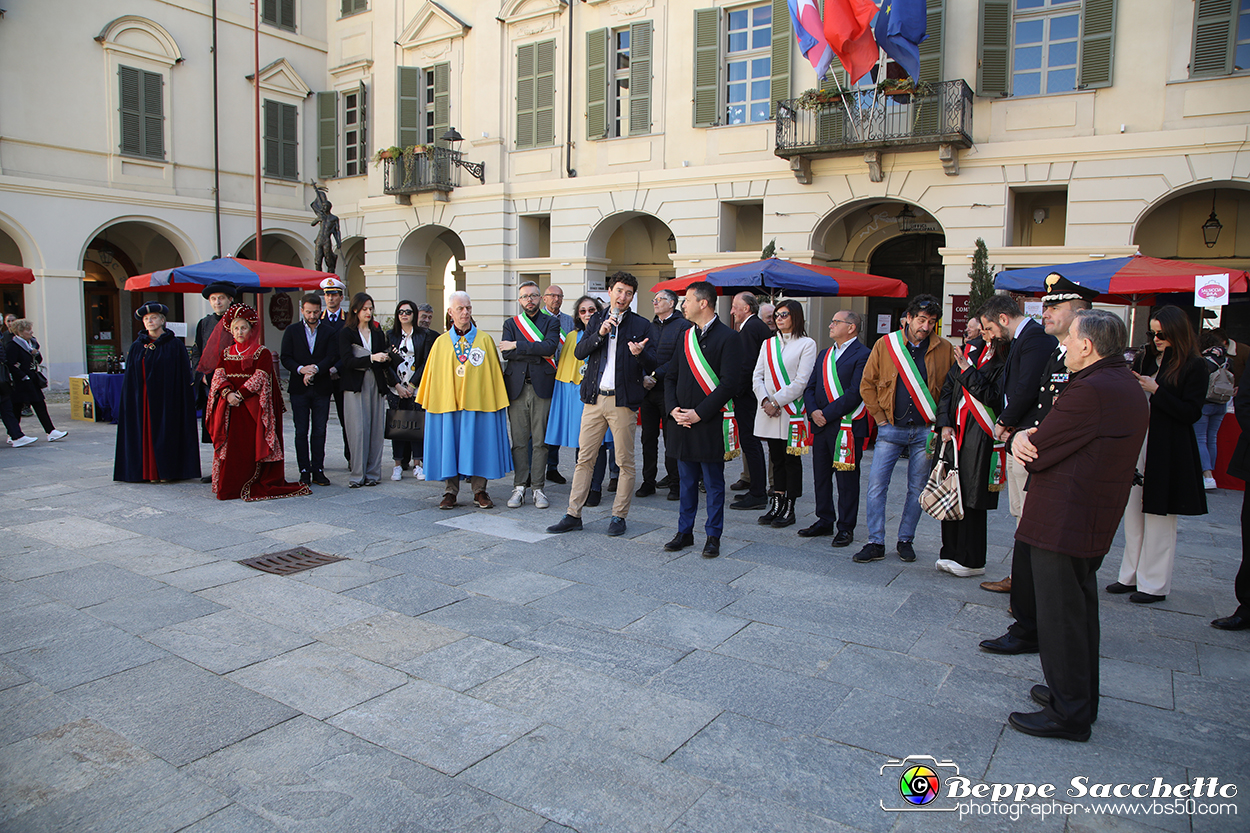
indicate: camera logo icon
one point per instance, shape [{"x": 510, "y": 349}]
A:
[{"x": 919, "y": 782}]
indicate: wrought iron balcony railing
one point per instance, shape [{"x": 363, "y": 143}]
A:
[
  {"x": 865, "y": 120},
  {"x": 434, "y": 169}
]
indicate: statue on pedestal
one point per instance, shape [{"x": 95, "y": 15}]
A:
[{"x": 329, "y": 230}]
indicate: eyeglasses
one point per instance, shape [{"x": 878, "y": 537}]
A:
[
  {"x": 553, "y": 294},
  {"x": 406, "y": 312},
  {"x": 840, "y": 321},
  {"x": 781, "y": 314},
  {"x": 1158, "y": 335},
  {"x": 529, "y": 297}
]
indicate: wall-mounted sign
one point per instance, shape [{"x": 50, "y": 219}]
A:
[
  {"x": 1211, "y": 290},
  {"x": 959, "y": 315}
]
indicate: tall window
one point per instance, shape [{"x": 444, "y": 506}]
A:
[
  {"x": 354, "y": 132},
  {"x": 281, "y": 144},
  {"x": 353, "y": 6},
  {"x": 748, "y": 66},
  {"x": 535, "y": 94},
  {"x": 280, "y": 13},
  {"x": 1045, "y": 44},
  {"x": 1241, "y": 56},
  {"x": 1221, "y": 37},
  {"x": 620, "y": 83},
  {"x": 424, "y": 103},
  {"x": 142, "y": 113}
]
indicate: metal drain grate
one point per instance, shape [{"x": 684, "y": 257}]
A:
[{"x": 289, "y": 561}]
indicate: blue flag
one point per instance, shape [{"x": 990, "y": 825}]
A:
[{"x": 899, "y": 29}]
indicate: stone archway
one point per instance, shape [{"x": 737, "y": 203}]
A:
[
  {"x": 429, "y": 267},
  {"x": 634, "y": 242}
]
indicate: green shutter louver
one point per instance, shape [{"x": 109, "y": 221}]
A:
[
  {"x": 1097, "y": 44},
  {"x": 783, "y": 40},
  {"x": 286, "y": 14},
  {"x": 707, "y": 60},
  {"x": 1215, "y": 31},
  {"x": 640, "y": 78},
  {"x": 141, "y": 108},
  {"x": 288, "y": 126},
  {"x": 525, "y": 96},
  {"x": 545, "y": 93},
  {"x": 831, "y": 121},
  {"x": 442, "y": 99},
  {"x": 327, "y": 135},
  {"x": 153, "y": 115},
  {"x": 362, "y": 129},
  {"x": 353, "y": 6},
  {"x": 273, "y": 144},
  {"x": 408, "y": 84},
  {"x": 269, "y": 12},
  {"x": 993, "y": 46},
  {"x": 931, "y": 46},
  {"x": 597, "y": 43},
  {"x": 131, "y": 110}
]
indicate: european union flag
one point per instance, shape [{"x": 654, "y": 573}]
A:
[{"x": 899, "y": 29}]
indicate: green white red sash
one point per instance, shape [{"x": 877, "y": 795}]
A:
[
  {"x": 564, "y": 334},
  {"x": 530, "y": 330},
  {"x": 708, "y": 381},
  {"x": 972, "y": 408},
  {"x": 910, "y": 375},
  {"x": 799, "y": 437},
  {"x": 844, "y": 458}
]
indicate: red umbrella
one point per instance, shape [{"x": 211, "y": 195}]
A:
[
  {"x": 248, "y": 275},
  {"x": 15, "y": 274},
  {"x": 775, "y": 275},
  {"x": 1133, "y": 280}
]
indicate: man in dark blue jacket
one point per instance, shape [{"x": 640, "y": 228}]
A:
[
  {"x": 616, "y": 348},
  {"x": 309, "y": 350},
  {"x": 835, "y": 447},
  {"x": 667, "y": 329},
  {"x": 531, "y": 340}
]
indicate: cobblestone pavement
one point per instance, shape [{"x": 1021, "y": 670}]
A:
[{"x": 463, "y": 671}]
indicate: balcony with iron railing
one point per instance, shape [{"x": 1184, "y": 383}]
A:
[
  {"x": 869, "y": 121},
  {"x": 433, "y": 169}
]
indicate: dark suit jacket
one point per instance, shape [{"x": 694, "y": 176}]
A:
[
  {"x": 202, "y": 331},
  {"x": 1239, "y": 464},
  {"x": 295, "y": 354},
  {"x": 1030, "y": 352},
  {"x": 629, "y": 368},
  {"x": 753, "y": 334},
  {"x": 529, "y": 357},
  {"x": 334, "y": 327},
  {"x": 704, "y": 442},
  {"x": 850, "y": 369},
  {"x": 352, "y": 368},
  {"x": 22, "y": 367}
]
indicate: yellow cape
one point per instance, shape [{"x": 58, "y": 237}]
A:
[
  {"x": 481, "y": 388},
  {"x": 570, "y": 367}
]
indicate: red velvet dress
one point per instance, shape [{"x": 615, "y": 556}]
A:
[{"x": 248, "y": 460}]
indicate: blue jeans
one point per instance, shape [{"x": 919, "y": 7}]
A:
[
  {"x": 890, "y": 443},
  {"x": 1207, "y": 428}
]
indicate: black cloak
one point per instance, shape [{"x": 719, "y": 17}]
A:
[{"x": 160, "y": 373}]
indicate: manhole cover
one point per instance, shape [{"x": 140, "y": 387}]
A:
[{"x": 289, "y": 561}]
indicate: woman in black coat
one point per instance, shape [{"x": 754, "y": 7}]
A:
[
  {"x": 982, "y": 462},
  {"x": 410, "y": 347},
  {"x": 21, "y": 355},
  {"x": 365, "y": 374},
  {"x": 1171, "y": 469}
]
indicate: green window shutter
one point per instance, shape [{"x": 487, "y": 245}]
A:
[
  {"x": 442, "y": 98},
  {"x": 545, "y": 93},
  {"x": 408, "y": 83},
  {"x": 640, "y": 78},
  {"x": 1097, "y": 44},
  {"x": 525, "y": 95},
  {"x": 1214, "y": 33},
  {"x": 273, "y": 144},
  {"x": 707, "y": 60},
  {"x": 783, "y": 40},
  {"x": 269, "y": 12},
  {"x": 353, "y": 6},
  {"x": 597, "y": 44},
  {"x": 931, "y": 46},
  {"x": 153, "y": 115},
  {"x": 362, "y": 130},
  {"x": 994, "y": 44},
  {"x": 327, "y": 135},
  {"x": 288, "y": 139},
  {"x": 831, "y": 122},
  {"x": 286, "y": 14},
  {"x": 131, "y": 111}
]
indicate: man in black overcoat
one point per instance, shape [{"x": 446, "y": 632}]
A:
[
  {"x": 220, "y": 296},
  {"x": 309, "y": 350},
  {"x": 1239, "y": 466},
  {"x": 826, "y": 410},
  {"x": 753, "y": 332},
  {"x": 698, "y": 433},
  {"x": 667, "y": 329}
]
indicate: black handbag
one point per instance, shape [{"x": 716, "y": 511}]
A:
[{"x": 405, "y": 425}]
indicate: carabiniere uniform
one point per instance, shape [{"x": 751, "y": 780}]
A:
[{"x": 1054, "y": 380}]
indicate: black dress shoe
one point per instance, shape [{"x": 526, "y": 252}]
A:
[
  {"x": 870, "y": 552},
  {"x": 645, "y": 490},
  {"x": 205, "y": 479},
  {"x": 612, "y": 484},
  {"x": 711, "y": 549},
  {"x": 1231, "y": 623},
  {"x": 566, "y": 524},
  {"x": 1140, "y": 598},
  {"x": 616, "y": 527},
  {"x": 906, "y": 552},
  {"x": 749, "y": 501},
  {"x": 319, "y": 478},
  {"x": 740, "y": 486},
  {"x": 815, "y": 530},
  {"x": 674, "y": 494},
  {"x": 1040, "y": 695},
  {"x": 1040, "y": 726},
  {"x": 594, "y": 498},
  {"x": 680, "y": 541},
  {"x": 305, "y": 478},
  {"x": 1009, "y": 644},
  {"x": 1117, "y": 588},
  {"x": 843, "y": 539},
  {"x": 666, "y": 482},
  {"x": 554, "y": 476}
]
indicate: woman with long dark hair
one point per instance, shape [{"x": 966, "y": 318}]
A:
[
  {"x": 1176, "y": 384},
  {"x": 366, "y": 373},
  {"x": 564, "y": 422},
  {"x": 410, "y": 346},
  {"x": 781, "y": 373}
]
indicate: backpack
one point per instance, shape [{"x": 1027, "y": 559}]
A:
[{"x": 1220, "y": 383}]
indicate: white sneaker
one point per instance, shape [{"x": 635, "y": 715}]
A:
[
  {"x": 418, "y": 471},
  {"x": 540, "y": 500},
  {"x": 57, "y": 434},
  {"x": 397, "y": 473},
  {"x": 518, "y": 497},
  {"x": 27, "y": 440},
  {"x": 1208, "y": 483},
  {"x": 957, "y": 569},
  {"x": 942, "y": 565}
]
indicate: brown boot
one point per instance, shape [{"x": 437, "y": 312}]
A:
[{"x": 1003, "y": 586}]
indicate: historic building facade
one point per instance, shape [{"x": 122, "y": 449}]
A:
[{"x": 659, "y": 138}]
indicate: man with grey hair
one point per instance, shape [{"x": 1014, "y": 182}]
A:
[
  {"x": 1081, "y": 461},
  {"x": 531, "y": 340},
  {"x": 667, "y": 329},
  {"x": 766, "y": 315}
]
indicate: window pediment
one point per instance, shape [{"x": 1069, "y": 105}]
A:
[
  {"x": 281, "y": 78},
  {"x": 519, "y": 11},
  {"x": 431, "y": 24},
  {"x": 141, "y": 38}
]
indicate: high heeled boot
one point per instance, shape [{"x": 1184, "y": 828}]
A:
[{"x": 774, "y": 504}]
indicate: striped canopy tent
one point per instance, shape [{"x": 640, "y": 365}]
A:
[{"x": 775, "y": 276}]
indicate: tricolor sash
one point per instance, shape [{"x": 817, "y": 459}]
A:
[
  {"x": 564, "y": 334},
  {"x": 910, "y": 375},
  {"x": 844, "y": 458},
  {"x": 971, "y": 409},
  {"x": 708, "y": 381},
  {"x": 799, "y": 437},
  {"x": 530, "y": 330}
]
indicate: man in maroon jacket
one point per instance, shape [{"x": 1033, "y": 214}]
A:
[{"x": 1081, "y": 462}]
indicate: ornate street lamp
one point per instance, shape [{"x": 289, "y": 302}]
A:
[
  {"x": 475, "y": 169},
  {"x": 906, "y": 218},
  {"x": 1211, "y": 228}
]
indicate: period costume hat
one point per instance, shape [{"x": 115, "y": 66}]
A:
[
  {"x": 152, "y": 306},
  {"x": 1060, "y": 289},
  {"x": 224, "y": 287}
]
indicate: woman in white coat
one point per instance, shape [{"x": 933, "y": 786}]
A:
[{"x": 781, "y": 374}]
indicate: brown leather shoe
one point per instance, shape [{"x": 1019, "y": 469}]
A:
[
  {"x": 483, "y": 500},
  {"x": 1003, "y": 586},
  {"x": 448, "y": 502}
]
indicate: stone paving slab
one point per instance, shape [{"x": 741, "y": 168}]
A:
[
  {"x": 290, "y": 604},
  {"x": 31, "y": 709},
  {"x": 225, "y": 641},
  {"x": 613, "y": 654},
  {"x": 465, "y": 663},
  {"x": 407, "y": 594},
  {"x": 64, "y": 661},
  {"x": 490, "y": 618},
  {"x": 91, "y": 584},
  {"x": 390, "y": 638},
  {"x": 319, "y": 680},
  {"x": 144, "y": 612}
]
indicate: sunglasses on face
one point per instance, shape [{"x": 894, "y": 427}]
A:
[
  {"x": 1158, "y": 335},
  {"x": 782, "y": 314}
]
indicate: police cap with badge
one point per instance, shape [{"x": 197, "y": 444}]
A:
[{"x": 1060, "y": 289}]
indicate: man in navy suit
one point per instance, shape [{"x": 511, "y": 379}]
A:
[
  {"x": 827, "y": 408},
  {"x": 754, "y": 332},
  {"x": 530, "y": 342},
  {"x": 309, "y": 350}
]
